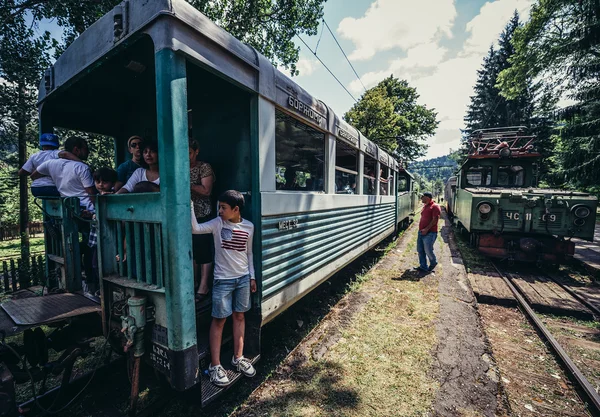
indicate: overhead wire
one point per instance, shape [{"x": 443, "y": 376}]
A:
[
  {"x": 320, "y": 37},
  {"x": 345, "y": 56},
  {"x": 327, "y": 68}
]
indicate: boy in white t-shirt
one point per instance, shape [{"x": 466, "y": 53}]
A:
[
  {"x": 44, "y": 186},
  {"x": 233, "y": 281}
]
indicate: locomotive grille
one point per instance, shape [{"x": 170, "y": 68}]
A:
[
  {"x": 511, "y": 218},
  {"x": 556, "y": 219}
]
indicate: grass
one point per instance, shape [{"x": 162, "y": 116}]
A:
[
  {"x": 9, "y": 248},
  {"x": 379, "y": 367},
  {"x": 472, "y": 259}
]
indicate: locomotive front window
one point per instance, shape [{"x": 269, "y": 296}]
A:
[
  {"x": 479, "y": 176},
  {"x": 346, "y": 163},
  {"x": 511, "y": 176},
  {"x": 369, "y": 176}
]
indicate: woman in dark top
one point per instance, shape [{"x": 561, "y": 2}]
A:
[{"x": 202, "y": 178}]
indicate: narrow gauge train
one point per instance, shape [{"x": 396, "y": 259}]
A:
[
  {"x": 163, "y": 70},
  {"x": 495, "y": 197}
]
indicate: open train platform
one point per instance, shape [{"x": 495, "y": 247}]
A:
[{"x": 588, "y": 253}]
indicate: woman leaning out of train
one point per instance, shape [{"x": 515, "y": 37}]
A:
[
  {"x": 202, "y": 178},
  {"x": 148, "y": 170}
]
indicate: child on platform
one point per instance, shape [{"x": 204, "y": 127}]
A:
[
  {"x": 104, "y": 181},
  {"x": 233, "y": 281}
]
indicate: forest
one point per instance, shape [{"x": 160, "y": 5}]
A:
[{"x": 542, "y": 73}]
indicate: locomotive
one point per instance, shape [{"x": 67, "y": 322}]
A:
[
  {"x": 163, "y": 70},
  {"x": 496, "y": 199}
]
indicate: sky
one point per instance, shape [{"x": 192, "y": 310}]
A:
[{"x": 436, "y": 45}]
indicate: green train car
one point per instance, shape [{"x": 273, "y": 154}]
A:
[
  {"x": 407, "y": 197},
  {"x": 495, "y": 198},
  {"x": 164, "y": 71}
]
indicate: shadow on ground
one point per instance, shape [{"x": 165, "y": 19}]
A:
[{"x": 410, "y": 275}]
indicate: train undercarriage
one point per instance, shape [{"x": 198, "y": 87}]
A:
[{"x": 530, "y": 248}]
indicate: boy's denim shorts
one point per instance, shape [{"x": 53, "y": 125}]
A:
[{"x": 230, "y": 295}]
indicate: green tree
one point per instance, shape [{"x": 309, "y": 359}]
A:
[
  {"x": 23, "y": 56},
  {"x": 488, "y": 108},
  {"x": 560, "y": 45},
  {"x": 267, "y": 25},
  {"x": 389, "y": 115}
]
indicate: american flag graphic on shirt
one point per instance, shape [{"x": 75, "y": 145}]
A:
[{"x": 234, "y": 239}]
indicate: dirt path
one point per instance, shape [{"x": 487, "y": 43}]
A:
[
  {"x": 399, "y": 345},
  {"x": 463, "y": 363}
]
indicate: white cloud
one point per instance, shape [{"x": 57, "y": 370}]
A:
[
  {"x": 485, "y": 28},
  {"x": 445, "y": 81},
  {"x": 306, "y": 66},
  {"x": 389, "y": 24}
]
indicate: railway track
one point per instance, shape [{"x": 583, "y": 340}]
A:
[{"x": 568, "y": 363}]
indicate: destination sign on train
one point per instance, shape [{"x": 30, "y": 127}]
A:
[
  {"x": 347, "y": 135},
  {"x": 305, "y": 110}
]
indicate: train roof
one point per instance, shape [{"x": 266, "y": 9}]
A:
[{"x": 176, "y": 25}]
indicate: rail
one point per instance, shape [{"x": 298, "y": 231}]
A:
[{"x": 564, "y": 357}]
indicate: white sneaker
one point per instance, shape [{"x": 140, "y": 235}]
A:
[
  {"x": 218, "y": 376},
  {"x": 244, "y": 366}
]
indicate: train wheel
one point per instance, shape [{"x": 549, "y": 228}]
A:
[{"x": 474, "y": 240}]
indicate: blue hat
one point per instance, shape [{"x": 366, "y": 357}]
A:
[{"x": 49, "y": 139}]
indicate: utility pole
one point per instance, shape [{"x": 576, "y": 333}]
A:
[{"x": 23, "y": 191}]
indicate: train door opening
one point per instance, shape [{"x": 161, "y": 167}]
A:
[{"x": 219, "y": 120}]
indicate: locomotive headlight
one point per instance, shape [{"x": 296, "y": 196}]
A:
[
  {"x": 505, "y": 152},
  {"x": 484, "y": 208},
  {"x": 581, "y": 211},
  {"x": 579, "y": 222}
]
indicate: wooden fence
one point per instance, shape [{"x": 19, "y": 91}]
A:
[
  {"x": 12, "y": 231},
  {"x": 15, "y": 275}
]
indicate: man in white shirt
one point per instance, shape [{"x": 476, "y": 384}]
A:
[
  {"x": 44, "y": 186},
  {"x": 72, "y": 178}
]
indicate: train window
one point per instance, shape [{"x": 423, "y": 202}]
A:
[
  {"x": 369, "y": 176},
  {"x": 402, "y": 184},
  {"x": 384, "y": 180},
  {"x": 346, "y": 163},
  {"x": 299, "y": 151},
  {"x": 479, "y": 175},
  {"x": 513, "y": 175}
]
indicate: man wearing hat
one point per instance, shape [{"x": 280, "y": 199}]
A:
[
  {"x": 44, "y": 186},
  {"x": 428, "y": 228},
  {"x": 127, "y": 168}
]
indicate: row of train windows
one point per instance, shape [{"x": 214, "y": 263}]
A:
[{"x": 300, "y": 161}]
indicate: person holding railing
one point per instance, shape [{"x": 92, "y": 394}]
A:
[
  {"x": 148, "y": 170},
  {"x": 202, "y": 178},
  {"x": 44, "y": 186},
  {"x": 72, "y": 178}
]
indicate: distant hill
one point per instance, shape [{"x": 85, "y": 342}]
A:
[{"x": 442, "y": 167}]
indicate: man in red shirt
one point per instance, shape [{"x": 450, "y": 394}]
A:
[{"x": 427, "y": 233}]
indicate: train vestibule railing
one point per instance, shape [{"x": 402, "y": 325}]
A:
[
  {"x": 130, "y": 245},
  {"x": 63, "y": 223}
]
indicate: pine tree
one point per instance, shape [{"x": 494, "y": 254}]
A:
[
  {"x": 23, "y": 56},
  {"x": 560, "y": 45},
  {"x": 488, "y": 108}
]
